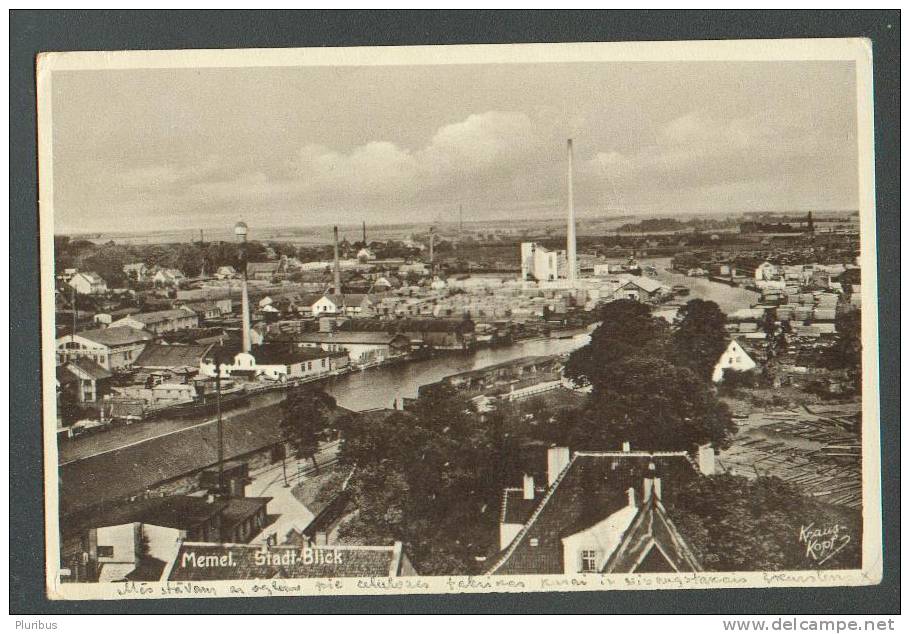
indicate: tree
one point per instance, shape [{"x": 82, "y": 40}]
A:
[
  {"x": 847, "y": 352},
  {"x": 733, "y": 523},
  {"x": 653, "y": 405},
  {"x": 699, "y": 336},
  {"x": 627, "y": 327},
  {"x": 304, "y": 416}
]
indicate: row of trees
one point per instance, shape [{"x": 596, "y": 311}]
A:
[{"x": 650, "y": 381}]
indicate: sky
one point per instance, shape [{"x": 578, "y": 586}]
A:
[{"x": 166, "y": 149}]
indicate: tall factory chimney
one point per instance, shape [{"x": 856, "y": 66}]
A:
[
  {"x": 364, "y": 233},
  {"x": 337, "y": 269},
  {"x": 432, "y": 240},
  {"x": 571, "y": 264}
]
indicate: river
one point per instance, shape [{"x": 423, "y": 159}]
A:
[
  {"x": 729, "y": 298},
  {"x": 379, "y": 387}
]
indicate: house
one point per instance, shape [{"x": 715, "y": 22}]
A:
[
  {"x": 136, "y": 271},
  {"x": 328, "y": 305},
  {"x": 288, "y": 561},
  {"x": 137, "y": 541},
  {"x": 225, "y": 272},
  {"x": 88, "y": 283},
  {"x": 171, "y": 357},
  {"x": 642, "y": 289},
  {"x": 161, "y": 321},
  {"x": 365, "y": 255},
  {"x": 599, "y": 512},
  {"x": 766, "y": 272},
  {"x": 272, "y": 361},
  {"x": 266, "y": 271},
  {"x": 168, "y": 277},
  {"x": 364, "y": 348},
  {"x": 111, "y": 348},
  {"x": 733, "y": 358},
  {"x": 87, "y": 380},
  {"x": 207, "y": 309}
]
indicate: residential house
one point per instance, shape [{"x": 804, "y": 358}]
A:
[
  {"x": 138, "y": 541},
  {"x": 225, "y": 272},
  {"x": 137, "y": 271},
  {"x": 161, "y": 321},
  {"x": 207, "y": 309},
  {"x": 88, "y": 283},
  {"x": 733, "y": 358},
  {"x": 266, "y": 271},
  {"x": 87, "y": 380},
  {"x": 329, "y": 304},
  {"x": 599, "y": 512},
  {"x": 168, "y": 277},
  {"x": 111, "y": 348}
]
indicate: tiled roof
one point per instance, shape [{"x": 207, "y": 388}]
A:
[
  {"x": 89, "y": 367},
  {"x": 352, "y": 561},
  {"x": 283, "y": 354},
  {"x": 108, "y": 477},
  {"x": 652, "y": 529},
  {"x": 239, "y": 509},
  {"x": 64, "y": 376},
  {"x": 173, "y": 356},
  {"x": 115, "y": 335},
  {"x": 175, "y": 511},
  {"x": 515, "y": 508},
  {"x": 592, "y": 487},
  {"x": 159, "y": 316}
]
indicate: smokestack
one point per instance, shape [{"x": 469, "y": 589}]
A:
[
  {"x": 337, "y": 278},
  {"x": 570, "y": 233},
  {"x": 432, "y": 239},
  {"x": 364, "y": 233}
]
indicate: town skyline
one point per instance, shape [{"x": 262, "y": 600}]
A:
[{"x": 384, "y": 144}]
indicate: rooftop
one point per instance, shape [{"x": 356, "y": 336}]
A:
[
  {"x": 592, "y": 487},
  {"x": 115, "y": 335},
  {"x": 173, "y": 356}
]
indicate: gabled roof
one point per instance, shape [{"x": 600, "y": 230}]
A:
[
  {"x": 159, "y": 316},
  {"x": 650, "y": 534},
  {"x": 173, "y": 511},
  {"x": 352, "y": 561},
  {"x": 174, "y": 356},
  {"x": 284, "y": 354},
  {"x": 89, "y": 368},
  {"x": 115, "y": 335},
  {"x": 645, "y": 283},
  {"x": 592, "y": 487},
  {"x": 515, "y": 508}
]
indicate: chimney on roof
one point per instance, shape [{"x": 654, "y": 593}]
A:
[
  {"x": 648, "y": 486},
  {"x": 706, "y": 459},
  {"x": 626, "y": 447},
  {"x": 631, "y": 494},
  {"x": 528, "y": 487},
  {"x": 337, "y": 270},
  {"x": 557, "y": 461}
]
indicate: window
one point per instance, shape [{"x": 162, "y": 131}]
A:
[
  {"x": 589, "y": 561},
  {"x": 105, "y": 551}
]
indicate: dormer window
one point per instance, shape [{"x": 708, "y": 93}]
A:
[
  {"x": 589, "y": 561},
  {"x": 535, "y": 541}
]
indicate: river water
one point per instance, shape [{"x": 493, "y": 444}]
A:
[{"x": 379, "y": 387}]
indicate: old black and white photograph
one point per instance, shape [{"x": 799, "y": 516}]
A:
[{"x": 448, "y": 319}]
